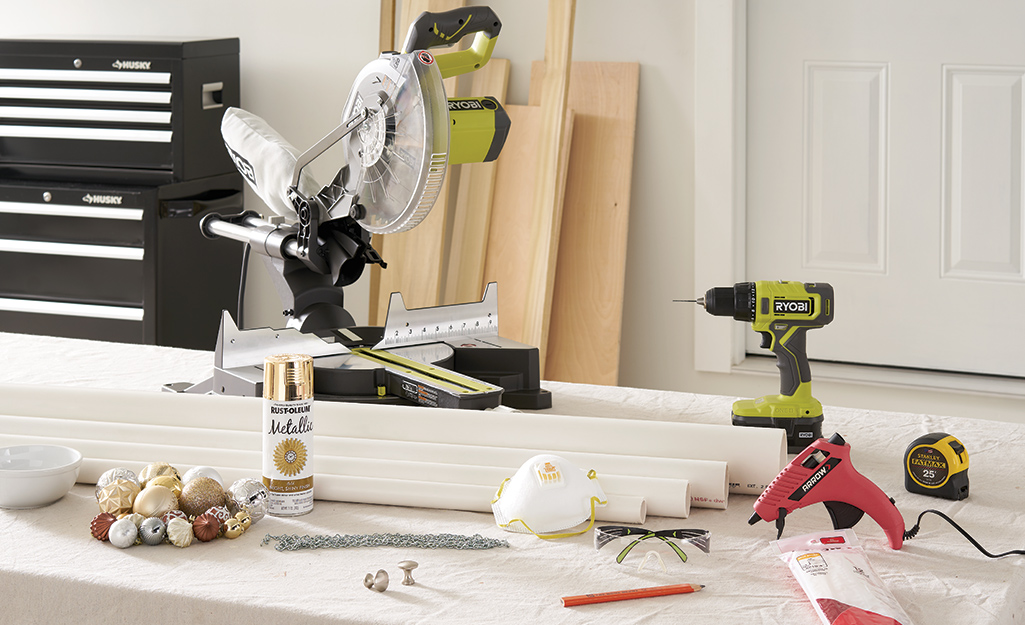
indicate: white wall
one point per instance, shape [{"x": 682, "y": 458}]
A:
[{"x": 298, "y": 60}]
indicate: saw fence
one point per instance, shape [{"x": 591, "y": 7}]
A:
[{"x": 548, "y": 220}]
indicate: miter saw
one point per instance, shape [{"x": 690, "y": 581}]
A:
[{"x": 398, "y": 134}]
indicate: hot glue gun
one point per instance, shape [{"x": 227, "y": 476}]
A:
[{"x": 823, "y": 473}]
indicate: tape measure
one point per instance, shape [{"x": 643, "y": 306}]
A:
[{"x": 937, "y": 464}]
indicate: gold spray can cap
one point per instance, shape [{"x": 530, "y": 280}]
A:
[{"x": 288, "y": 377}]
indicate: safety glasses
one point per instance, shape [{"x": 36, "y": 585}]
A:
[{"x": 633, "y": 536}]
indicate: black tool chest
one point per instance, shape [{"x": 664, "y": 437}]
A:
[{"x": 110, "y": 153}]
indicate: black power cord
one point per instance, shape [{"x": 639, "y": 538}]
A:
[
  {"x": 911, "y": 533},
  {"x": 242, "y": 286}
]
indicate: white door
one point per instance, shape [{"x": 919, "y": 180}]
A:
[{"x": 885, "y": 157}]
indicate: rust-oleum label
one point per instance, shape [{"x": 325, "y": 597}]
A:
[{"x": 288, "y": 456}]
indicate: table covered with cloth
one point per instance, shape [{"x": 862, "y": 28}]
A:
[{"x": 53, "y": 571}]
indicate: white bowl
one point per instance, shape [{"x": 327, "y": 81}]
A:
[{"x": 36, "y": 475}]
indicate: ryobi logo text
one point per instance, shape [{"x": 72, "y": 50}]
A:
[
  {"x": 465, "y": 105},
  {"x": 244, "y": 167},
  {"x": 792, "y": 306}
]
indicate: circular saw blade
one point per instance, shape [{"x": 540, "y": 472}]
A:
[{"x": 397, "y": 157}]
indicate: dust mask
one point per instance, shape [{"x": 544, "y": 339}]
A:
[{"x": 547, "y": 495}]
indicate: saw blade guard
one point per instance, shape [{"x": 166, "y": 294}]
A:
[{"x": 397, "y": 158}]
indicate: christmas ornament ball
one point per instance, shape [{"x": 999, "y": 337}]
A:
[
  {"x": 248, "y": 495},
  {"x": 243, "y": 518},
  {"x": 152, "y": 531},
  {"x": 168, "y": 481},
  {"x": 201, "y": 494},
  {"x": 155, "y": 469},
  {"x": 206, "y": 527},
  {"x": 179, "y": 533},
  {"x": 118, "y": 473},
  {"x": 232, "y": 528},
  {"x": 155, "y": 500},
  {"x": 122, "y": 533},
  {"x": 173, "y": 514},
  {"x": 203, "y": 471},
  {"x": 118, "y": 497},
  {"x": 100, "y": 525}
]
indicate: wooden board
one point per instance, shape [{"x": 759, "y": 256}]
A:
[
  {"x": 471, "y": 219},
  {"x": 587, "y": 306},
  {"x": 510, "y": 245},
  {"x": 414, "y": 257},
  {"x": 545, "y": 210}
]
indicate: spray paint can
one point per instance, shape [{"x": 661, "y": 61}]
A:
[{"x": 288, "y": 433}]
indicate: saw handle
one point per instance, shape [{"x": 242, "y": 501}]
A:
[{"x": 431, "y": 30}]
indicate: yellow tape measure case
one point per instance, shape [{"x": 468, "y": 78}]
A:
[{"x": 937, "y": 464}]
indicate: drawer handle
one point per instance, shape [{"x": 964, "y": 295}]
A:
[
  {"x": 71, "y": 249},
  {"x": 95, "y": 311}
]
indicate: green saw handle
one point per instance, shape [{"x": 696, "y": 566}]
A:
[{"x": 431, "y": 30}]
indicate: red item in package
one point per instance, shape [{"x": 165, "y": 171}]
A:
[{"x": 835, "y": 574}]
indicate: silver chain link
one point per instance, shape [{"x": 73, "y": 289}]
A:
[{"x": 294, "y": 542}]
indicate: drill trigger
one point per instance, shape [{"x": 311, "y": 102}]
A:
[
  {"x": 766, "y": 340},
  {"x": 843, "y": 514},
  {"x": 780, "y": 522}
]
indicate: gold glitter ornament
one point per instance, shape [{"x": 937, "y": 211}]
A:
[
  {"x": 232, "y": 528},
  {"x": 156, "y": 469},
  {"x": 171, "y": 482},
  {"x": 179, "y": 533},
  {"x": 201, "y": 494},
  {"x": 118, "y": 497},
  {"x": 155, "y": 500}
]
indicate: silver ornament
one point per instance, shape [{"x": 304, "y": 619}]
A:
[
  {"x": 119, "y": 473},
  {"x": 123, "y": 533},
  {"x": 209, "y": 472},
  {"x": 248, "y": 495},
  {"x": 152, "y": 531}
]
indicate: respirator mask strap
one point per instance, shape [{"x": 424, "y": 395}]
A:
[{"x": 595, "y": 501}]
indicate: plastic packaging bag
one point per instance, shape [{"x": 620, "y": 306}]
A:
[{"x": 835, "y": 574}]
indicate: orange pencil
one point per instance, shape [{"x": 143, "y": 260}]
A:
[{"x": 636, "y": 593}]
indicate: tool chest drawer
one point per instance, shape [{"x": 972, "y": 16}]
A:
[
  {"x": 131, "y": 112},
  {"x": 108, "y": 262},
  {"x": 71, "y": 277}
]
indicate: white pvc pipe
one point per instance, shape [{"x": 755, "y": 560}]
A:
[
  {"x": 418, "y": 493},
  {"x": 754, "y": 455},
  {"x": 657, "y": 480},
  {"x": 663, "y": 496},
  {"x": 708, "y": 478}
]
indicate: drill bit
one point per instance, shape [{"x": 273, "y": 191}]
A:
[{"x": 699, "y": 301}]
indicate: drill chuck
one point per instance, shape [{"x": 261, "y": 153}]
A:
[{"x": 737, "y": 301}]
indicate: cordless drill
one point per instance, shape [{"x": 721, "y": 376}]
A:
[{"x": 782, "y": 312}]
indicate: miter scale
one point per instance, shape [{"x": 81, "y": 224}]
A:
[{"x": 398, "y": 133}]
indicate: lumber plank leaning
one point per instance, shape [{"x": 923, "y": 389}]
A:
[{"x": 585, "y": 325}]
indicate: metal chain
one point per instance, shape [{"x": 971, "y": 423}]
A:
[{"x": 294, "y": 542}]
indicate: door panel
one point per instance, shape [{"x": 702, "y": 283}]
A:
[{"x": 885, "y": 156}]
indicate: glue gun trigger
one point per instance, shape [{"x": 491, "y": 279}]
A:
[
  {"x": 843, "y": 515},
  {"x": 780, "y": 522}
]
